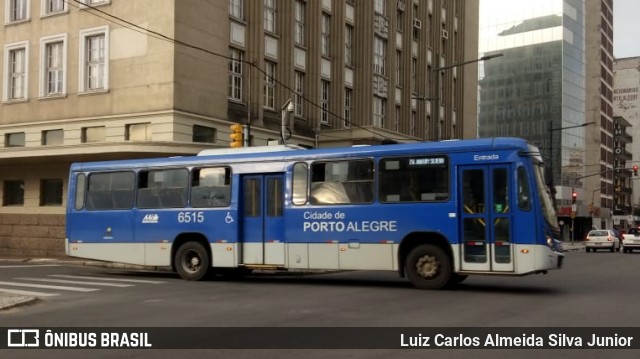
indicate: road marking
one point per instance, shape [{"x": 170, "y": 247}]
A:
[
  {"x": 110, "y": 279},
  {"x": 75, "y": 282},
  {"x": 26, "y": 292},
  {"x": 44, "y": 286},
  {"x": 32, "y": 266}
]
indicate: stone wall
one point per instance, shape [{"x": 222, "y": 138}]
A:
[{"x": 32, "y": 235}]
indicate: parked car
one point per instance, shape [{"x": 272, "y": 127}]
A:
[
  {"x": 602, "y": 239},
  {"x": 631, "y": 240}
]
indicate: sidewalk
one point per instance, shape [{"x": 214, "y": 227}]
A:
[{"x": 8, "y": 300}]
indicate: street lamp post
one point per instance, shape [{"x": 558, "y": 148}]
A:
[
  {"x": 551, "y": 130},
  {"x": 437, "y": 98}
]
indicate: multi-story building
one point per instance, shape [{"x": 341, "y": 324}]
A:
[
  {"x": 88, "y": 80},
  {"x": 626, "y": 104},
  {"x": 537, "y": 90},
  {"x": 607, "y": 178}
]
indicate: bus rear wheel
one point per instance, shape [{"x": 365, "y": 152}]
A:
[
  {"x": 192, "y": 261},
  {"x": 428, "y": 267}
]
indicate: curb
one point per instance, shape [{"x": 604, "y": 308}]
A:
[{"x": 11, "y": 301}]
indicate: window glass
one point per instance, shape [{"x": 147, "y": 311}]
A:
[
  {"x": 275, "y": 197},
  {"x": 342, "y": 182},
  {"x": 163, "y": 188},
  {"x": 113, "y": 190},
  {"x": 524, "y": 194},
  {"x": 13, "y": 193},
  {"x": 300, "y": 178},
  {"x": 51, "y": 192},
  {"x": 414, "y": 179},
  {"x": 211, "y": 187},
  {"x": 79, "y": 200}
]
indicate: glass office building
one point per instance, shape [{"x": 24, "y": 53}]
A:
[{"x": 537, "y": 88}]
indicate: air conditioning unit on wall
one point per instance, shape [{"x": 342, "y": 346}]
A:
[
  {"x": 445, "y": 34},
  {"x": 417, "y": 23}
]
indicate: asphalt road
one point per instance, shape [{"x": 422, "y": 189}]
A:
[{"x": 592, "y": 290}]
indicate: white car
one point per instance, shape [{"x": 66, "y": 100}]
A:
[
  {"x": 631, "y": 240},
  {"x": 602, "y": 239}
]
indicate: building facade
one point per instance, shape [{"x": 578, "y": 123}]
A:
[
  {"x": 557, "y": 57},
  {"x": 93, "y": 80},
  {"x": 626, "y": 105}
]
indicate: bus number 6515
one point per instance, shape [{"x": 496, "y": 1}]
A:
[{"x": 190, "y": 217}]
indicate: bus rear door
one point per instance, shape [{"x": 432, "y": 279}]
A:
[
  {"x": 262, "y": 233},
  {"x": 485, "y": 213}
]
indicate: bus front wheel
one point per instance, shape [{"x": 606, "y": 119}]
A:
[
  {"x": 192, "y": 261},
  {"x": 428, "y": 267}
]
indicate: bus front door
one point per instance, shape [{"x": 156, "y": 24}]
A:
[
  {"x": 485, "y": 213},
  {"x": 262, "y": 233}
]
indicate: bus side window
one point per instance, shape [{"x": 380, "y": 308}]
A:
[
  {"x": 342, "y": 182},
  {"x": 79, "y": 191},
  {"x": 211, "y": 187},
  {"x": 300, "y": 183},
  {"x": 162, "y": 188}
]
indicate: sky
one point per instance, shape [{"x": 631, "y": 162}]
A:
[{"x": 626, "y": 27}]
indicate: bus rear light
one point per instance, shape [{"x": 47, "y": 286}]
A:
[{"x": 525, "y": 250}]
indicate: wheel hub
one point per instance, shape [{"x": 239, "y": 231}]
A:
[{"x": 427, "y": 266}]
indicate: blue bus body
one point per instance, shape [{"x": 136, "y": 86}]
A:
[{"x": 338, "y": 208}]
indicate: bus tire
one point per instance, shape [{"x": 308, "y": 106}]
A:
[
  {"x": 192, "y": 261},
  {"x": 428, "y": 267}
]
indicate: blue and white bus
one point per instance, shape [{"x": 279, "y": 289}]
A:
[{"x": 435, "y": 212}]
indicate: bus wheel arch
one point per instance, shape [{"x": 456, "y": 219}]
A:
[
  {"x": 191, "y": 256},
  {"x": 426, "y": 259}
]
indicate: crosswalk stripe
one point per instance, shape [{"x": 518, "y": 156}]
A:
[
  {"x": 107, "y": 279},
  {"x": 44, "y": 286},
  {"x": 30, "y": 265},
  {"x": 26, "y": 292},
  {"x": 75, "y": 282}
]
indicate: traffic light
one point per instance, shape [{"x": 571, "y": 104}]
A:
[
  {"x": 635, "y": 170},
  {"x": 236, "y": 136},
  {"x": 574, "y": 197}
]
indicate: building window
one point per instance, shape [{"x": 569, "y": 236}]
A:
[
  {"x": 379, "y": 109},
  {"x": 93, "y": 134},
  {"x": 324, "y": 102},
  {"x": 51, "y": 192},
  {"x": 52, "y": 137},
  {"x": 396, "y": 125},
  {"x": 54, "y": 60},
  {"x": 299, "y": 94},
  {"x": 269, "y": 84},
  {"x": 348, "y": 97},
  {"x": 325, "y": 40},
  {"x": 97, "y": 2},
  {"x": 299, "y": 18},
  {"x": 138, "y": 132},
  {"x": 270, "y": 15},
  {"x": 380, "y": 7},
  {"x": 13, "y": 193},
  {"x": 235, "y": 74},
  {"x": 348, "y": 45},
  {"x": 94, "y": 59},
  {"x": 53, "y": 6},
  {"x": 204, "y": 134},
  {"x": 16, "y": 10},
  {"x": 15, "y": 71},
  {"x": 14, "y": 139},
  {"x": 379, "y": 52},
  {"x": 398, "y": 67},
  {"x": 235, "y": 9}
]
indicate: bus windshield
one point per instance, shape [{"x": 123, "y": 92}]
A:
[{"x": 544, "y": 193}]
